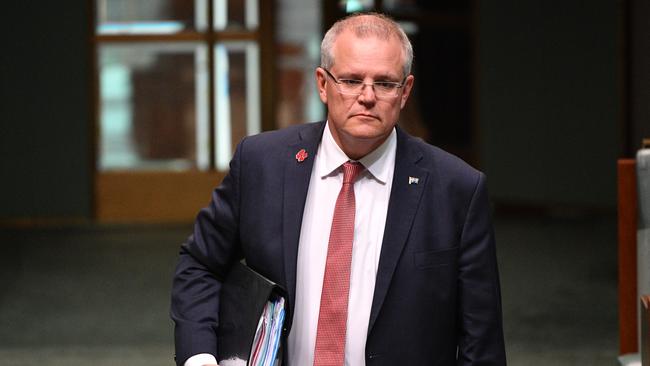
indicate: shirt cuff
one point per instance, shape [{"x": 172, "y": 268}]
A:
[{"x": 200, "y": 360}]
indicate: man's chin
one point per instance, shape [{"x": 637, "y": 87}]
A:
[
  {"x": 367, "y": 135},
  {"x": 365, "y": 126}
]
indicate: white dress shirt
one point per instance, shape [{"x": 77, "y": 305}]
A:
[{"x": 372, "y": 193}]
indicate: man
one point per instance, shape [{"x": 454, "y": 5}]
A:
[{"x": 401, "y": 272}]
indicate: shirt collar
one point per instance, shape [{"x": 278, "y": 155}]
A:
[{"x": 378, "y": 162}]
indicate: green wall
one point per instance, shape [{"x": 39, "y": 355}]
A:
[
  {"x": 549, "y": 101},
  {"x": 44, "y": 112}
]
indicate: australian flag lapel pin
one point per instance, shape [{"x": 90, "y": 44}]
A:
[{"x": 414, "y": 180}]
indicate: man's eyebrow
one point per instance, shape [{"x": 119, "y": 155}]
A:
[
  {"x": 351, "y": 75},
  {"x": 359, "y": 76},
  {"x": 387, "y": 77}
]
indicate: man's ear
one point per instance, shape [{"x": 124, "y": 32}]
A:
[
  {"x": 321, "y": 81},
  {"x": 408, "y": 86}
]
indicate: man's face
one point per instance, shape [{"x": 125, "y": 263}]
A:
[{"x": 361, "y": 123}]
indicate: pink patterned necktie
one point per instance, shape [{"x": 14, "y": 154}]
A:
[{"x": 333, "y": 315}]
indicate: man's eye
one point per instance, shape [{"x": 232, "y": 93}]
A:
[
  {"x": 351, "y": 82},
  {"x": 388, "y": 85}
]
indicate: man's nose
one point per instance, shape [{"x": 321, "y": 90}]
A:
[{"x": 367, "y": 93}]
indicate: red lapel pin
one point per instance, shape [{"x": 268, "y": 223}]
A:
[{"x": 301, "y": 155}]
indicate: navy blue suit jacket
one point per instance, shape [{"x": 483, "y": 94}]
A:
[{"x": 437, "y": 298}]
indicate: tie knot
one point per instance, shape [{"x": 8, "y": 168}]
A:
[{"x": 351, "y": 170}]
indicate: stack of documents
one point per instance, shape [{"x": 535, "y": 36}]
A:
[
  {"x": 267, "y": 336},
  {"x": 252, "y": 311}
]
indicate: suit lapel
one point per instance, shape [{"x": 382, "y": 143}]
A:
[
  {"x": 404, "y": 199},
  {"x": 296, "y": 184}
]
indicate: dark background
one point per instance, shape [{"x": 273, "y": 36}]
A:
[{"x": 562, "y": 91}]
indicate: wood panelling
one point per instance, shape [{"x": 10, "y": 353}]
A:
[
  {"x": 153, "y": 196},
  {"x": 627, "y": 266}
]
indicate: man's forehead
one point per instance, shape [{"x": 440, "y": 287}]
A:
[
  {"x": 355, "y": 34},
  {"x": 344, "y": 40},
  {"x": 349, "y": 43}
]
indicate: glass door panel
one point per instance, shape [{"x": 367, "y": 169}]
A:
[
  {"x": 178, "y": 85},
  {"x": 237, "y": 97},
  {"x": 151, "y": 16},
  {"x": 353, "y": 6},
  {"x": 153, "y": 106},
  {"x": 236, "y": 15}
]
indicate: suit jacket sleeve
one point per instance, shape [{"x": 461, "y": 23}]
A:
[
  {"x": 204, "y": 260},
  {"x": 480, "y": 334}
]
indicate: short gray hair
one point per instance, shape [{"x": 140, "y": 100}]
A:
[{"x": 366, "y": 25}]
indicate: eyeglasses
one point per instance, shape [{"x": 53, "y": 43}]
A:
[{"x": 382, "y": 89}]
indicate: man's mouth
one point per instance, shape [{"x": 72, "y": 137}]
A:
[{"x": 365, "y": 115}]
